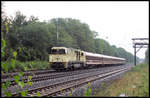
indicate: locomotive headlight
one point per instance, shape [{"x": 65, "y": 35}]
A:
[
  {"x": 65, "y": 59},
  {"x": 57, "y": 58}
]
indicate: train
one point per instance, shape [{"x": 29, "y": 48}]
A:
[{"x": 63, "y": 58}]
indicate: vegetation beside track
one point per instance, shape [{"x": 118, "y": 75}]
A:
[
  {"x": 28, "y": 65},
  {"x": 133, "y": 83}
]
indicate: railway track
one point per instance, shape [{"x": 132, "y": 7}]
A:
[
  {"x": 26, "y": 73},
  {"x": 50, "y": 87},
  {"x": 65, "y": 86},
  {"x": 47, "y": 74}
]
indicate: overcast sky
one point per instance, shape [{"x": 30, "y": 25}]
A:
[{"x": 116, "y": 22}]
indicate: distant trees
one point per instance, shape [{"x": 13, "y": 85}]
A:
[{"x": 32, "y": 38}]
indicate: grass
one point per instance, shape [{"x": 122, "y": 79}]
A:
[
  {"x": 29, "y": 65},
  {"x": 133, "y": 83}
]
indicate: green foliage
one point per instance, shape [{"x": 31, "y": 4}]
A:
[
  {"x": 7, "y": 83},
  {"x": 13, "y": 63},
  {"x": 15, "y": 54},
  {"x": 30, "y": 77},
  {"x": 29, "y": 80},
  {"x": 6, "y": 25},
  {"x": 25, "y": 43},
  {"x": 24, "y": 66},
  {"x": 8, "y": 94},
  {"x": 89, "y": 90},
  {"x": 32, "y": 39},
  {"x": 3, "y": 47},
  {"x": 5, "y": 68},
  {"x": 38, "y": 94},
  {"x": 16, "y": 78},
  {"x": 24, "y": 93},
  {"x": 29, "y": 83},
  {"x": 134, "y": 83},
  {"x": 88, "y": 93},
  {"x": 21, "y": 84},
  {"x": 21, "y": 74},
  {"x": 69, "y": 94}
]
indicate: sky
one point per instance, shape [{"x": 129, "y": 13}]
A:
[{"x": 116, "y": 22}]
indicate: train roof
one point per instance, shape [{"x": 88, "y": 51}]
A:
[
  {"x": 91, "y": 54},
  {"x": 101, "y": 55},
  {"x": 67, "y": 48},
  {"x": 59, "y": 48}
]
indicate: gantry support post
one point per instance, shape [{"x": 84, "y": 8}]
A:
[
  {"x": 141, "y": 44},
  {"x": 135, "y": 55}
]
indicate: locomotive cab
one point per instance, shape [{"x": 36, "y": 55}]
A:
[
  {"x": 66, "y": 58},
  {"x": 58, "y": 57}
]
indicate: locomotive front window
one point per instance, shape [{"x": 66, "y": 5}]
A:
[
  {"x": 54, "y": 51},
  {"x": 61, "y": 51},
  {"x": 58, "y": 51}
]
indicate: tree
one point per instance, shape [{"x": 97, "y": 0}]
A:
[{"x": 33, "y": 38}]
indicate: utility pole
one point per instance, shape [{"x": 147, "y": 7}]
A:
[
  {"x": 139, "y": 43},
  {"x": 57, "y": 31}
]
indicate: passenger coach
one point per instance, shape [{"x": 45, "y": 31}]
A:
[{"x": 99, "y": 59}]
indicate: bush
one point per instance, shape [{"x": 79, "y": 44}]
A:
[{"x": 30, "y": 65}]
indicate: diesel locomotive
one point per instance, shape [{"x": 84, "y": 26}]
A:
[{"x": 61, "y": 58}]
